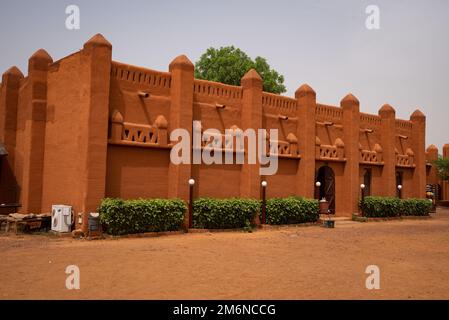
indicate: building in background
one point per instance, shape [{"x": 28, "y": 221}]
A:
[
  {"x": 435, "y": 184},
  {"x": 86, "y": 127}
]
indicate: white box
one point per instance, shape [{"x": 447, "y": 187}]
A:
[{"x": 61, "y": 218}]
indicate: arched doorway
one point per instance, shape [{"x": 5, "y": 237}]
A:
[{"x": 326, "y": 177}]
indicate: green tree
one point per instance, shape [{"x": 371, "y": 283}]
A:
[
  {"x": 229, "y": 64},
  {"x": 442, "y": 166}
]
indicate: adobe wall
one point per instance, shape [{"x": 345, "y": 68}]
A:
[
  {"x": 9, "y": 92},
  {"x": 445, "y": 184},
  {"x": 432, "y": 177},
  {"x": 86, "y": 127},
  {"x": 60, "y": 114},
  {"x": 431, "y": 172},
  {"x": 9, "y": 103},
  {"x": 333, "y": 127},
  {"x": 134, "y": 168},
  {"x": 62, "y": 137}
]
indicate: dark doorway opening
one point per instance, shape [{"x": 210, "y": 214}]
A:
[
  {"x": 326, "y": 177},
  {"x": 367, "y": 182},
  {"x": 438, "y": 192},
  {"x": 399, "y": 183}
]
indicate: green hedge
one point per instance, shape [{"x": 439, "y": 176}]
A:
[
  {"x": 416, "y": 207},
  {"x": 374, "y": 207},
  {"x": 291, "y": 210},
  {"x": 134, "y": 216},
  {"x": 142, "y": 215},
  {"x": 224, "y": 213},
  {"x": 381, "y": 207}
]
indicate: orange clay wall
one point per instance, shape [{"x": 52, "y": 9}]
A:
[
  {"x": 86, "y": 127},
  {"x": 62, "y": 135},
  {"x": 137, "y": 170},
  {"x": 206, "y": 95},
  {"x": 9, "y": 92},
  {"x": 431, "y": 172},
  {"x": 445, "y": 184},
  {"x": 442, "y": 187}
]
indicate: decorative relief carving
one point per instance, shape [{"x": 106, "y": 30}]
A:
[
  {"x": 335, "y": 152},
  {"x": 285, "y": 148},
  {"x": 405, "y": 160},
  {"x": 139, "y": 134},
  {"x": 229, "y": 142},
  {"x": 374, "y": 156},
  {"x": 220, "y": 141}
]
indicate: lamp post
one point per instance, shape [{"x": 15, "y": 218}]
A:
[
  {"x": 191, "y": 184},
  {"x": 264, "y": 202},
  {"x": 400, "y": 195},
  {"x": 317, "y": 189},
  {"x": 362, "y": 186}
]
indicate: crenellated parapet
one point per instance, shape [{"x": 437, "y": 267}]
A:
[
  {"x": 276, "y": 104},
  {"x": 140, "y": 76},
  {"x": 328, "y": 113},
  {"x": 220, "y": 91}
]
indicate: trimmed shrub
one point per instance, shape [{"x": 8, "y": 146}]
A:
[
  {"x": 379, "y": 207},
  {"x": 224, "y": 213},
  {"x": 291, "y": 210},
  {"x": 416, "y": 207},
  {"x": 141, "y": 215}
]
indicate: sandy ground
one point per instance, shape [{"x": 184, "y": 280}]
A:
[{"x": 292, "y": 263}]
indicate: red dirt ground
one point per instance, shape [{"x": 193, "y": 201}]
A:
[{"x": 290, "y": 263}]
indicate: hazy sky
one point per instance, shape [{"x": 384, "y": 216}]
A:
[{"x": 322, "y": 43}]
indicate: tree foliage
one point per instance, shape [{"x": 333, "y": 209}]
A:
[
  {"x": 442, "y": 166},
  {"x": 229, "y": 64}
]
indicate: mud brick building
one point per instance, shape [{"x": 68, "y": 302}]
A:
[
  {"x": 439, "y": 187},
  {"x": 86, "y": 127}
]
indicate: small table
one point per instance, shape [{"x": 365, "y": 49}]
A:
[{"x": 30, "y": 223}]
